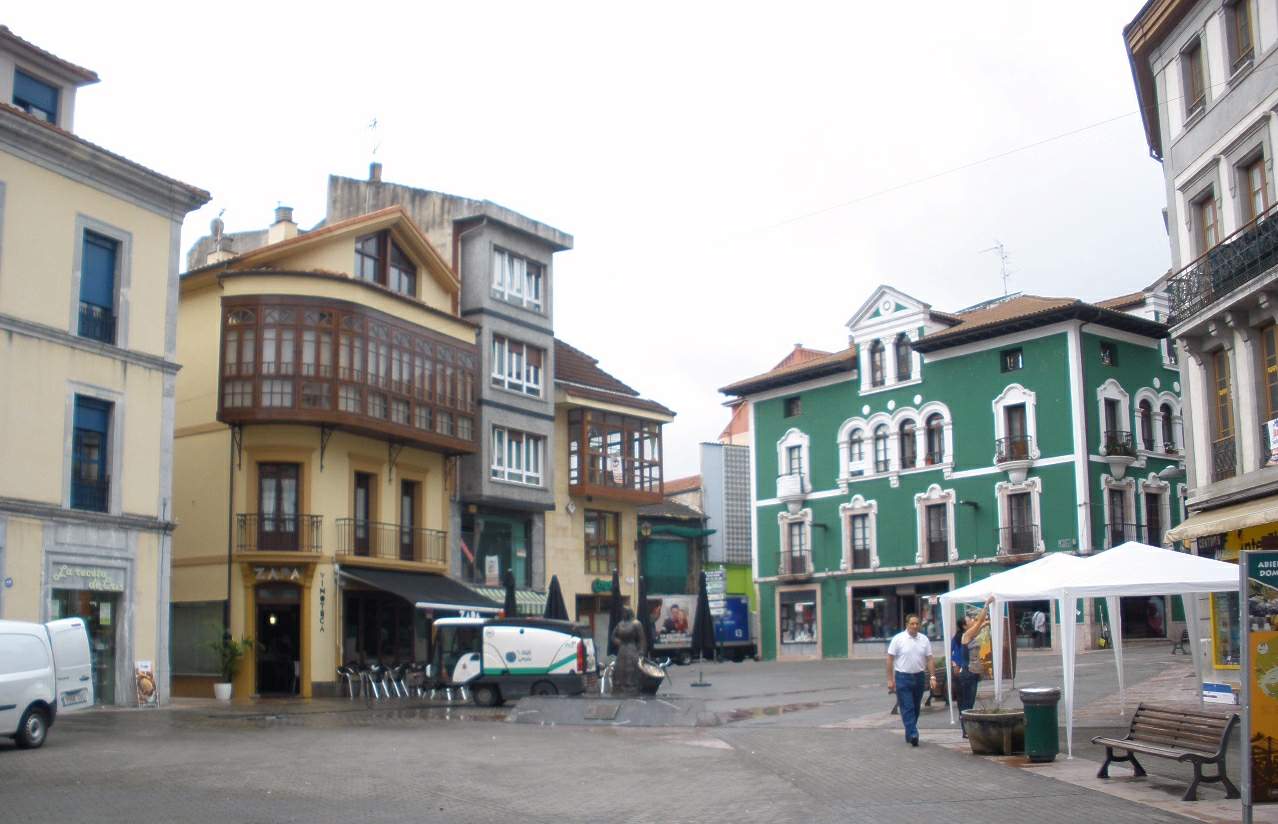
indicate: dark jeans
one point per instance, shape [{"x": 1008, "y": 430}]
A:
[
  {"x": 909, "y": 696},
  {"x": 967, "y": 684}
]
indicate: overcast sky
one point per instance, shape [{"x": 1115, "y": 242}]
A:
[{"x": 719, "y": 164}]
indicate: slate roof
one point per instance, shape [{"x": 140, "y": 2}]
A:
[
  {"x": 831, "y": 364},
  {"x": 1027, "y": 312}
]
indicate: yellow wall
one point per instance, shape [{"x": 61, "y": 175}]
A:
[
  {"x": 566, "y": 534},
  {"x": 39, "y": 247},
  {"x": 24, "y": 557}
]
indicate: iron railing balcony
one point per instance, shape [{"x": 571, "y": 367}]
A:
[
  {"x": 1241, "y": 257},
  {"x": 256, "y": 532},
  {"x": 391, "y": 542},
  {"x": 96, "y": 323},
  {"x": 938, "y": 549},
  {"x": 1013, "y": 448},
  {"x": 1118, "y": 442},
  {"x": 1018, "y": 540},
  {"x": 1153, "y": 534},
  {"x": 1224, "y": 461},
  {"x": 860, "y": 557},
  {"x": 796, "y": 563},
  {"x": 90, "y": 495},
  {"x": 1118, "y": 533}
]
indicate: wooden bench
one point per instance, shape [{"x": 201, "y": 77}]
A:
[{"x": 1186, "y": 734}]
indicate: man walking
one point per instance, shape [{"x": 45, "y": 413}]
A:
[
  {"x": 907, "y": 656},
  {"x": 1040, "y": 628}
]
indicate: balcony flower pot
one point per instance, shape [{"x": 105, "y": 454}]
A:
[{"x": 994, "y": 731}]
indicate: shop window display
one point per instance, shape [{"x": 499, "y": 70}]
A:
[{"x": 798, "y": 617}]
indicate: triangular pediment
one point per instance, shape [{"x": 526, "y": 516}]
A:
[{"x": 886, "y": 306}]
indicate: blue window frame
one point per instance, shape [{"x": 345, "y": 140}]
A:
[
  {"x": 90, "y": 481},
  {"x": 98, "y": 262},
  {"x": 35, "y": 97}
]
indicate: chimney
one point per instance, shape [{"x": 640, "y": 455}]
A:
[
  {"x": 221, "y": 250},
  {"x": 283, "y": 228},
  {"x": 374, "y": 172}
]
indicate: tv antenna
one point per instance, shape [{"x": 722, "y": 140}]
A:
[{"x": 998, "y": 249}]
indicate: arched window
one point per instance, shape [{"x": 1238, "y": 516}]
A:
[
  {"x": 935, "y": 439},
  {"x": 1146, "y": 413},
  {"x": 909, "y": 449},
  {"x": 904, "y": 364},
  {"x": 1169, "y": 428},
  {"x": 881, "y": 461},
  {"x": 856, "y": 448},
  {"x": 876, "y": 363}
]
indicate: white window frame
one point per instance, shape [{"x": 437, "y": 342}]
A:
[
  {"x": 1153, "y": 485},
  {"x": 513, "y": 281},
  {"x": 1113, "y": 390},
  {"x": 1178, "y": 436},
  {"x": 926, "y": 411},
  {"x": 784, "y": 520},
  {"x": 934, "y": 496},
  {"x": 1011, "y": 395},
  {"x": 870, "y": 509},
  {"x": 795, "y": 437},
  {"x": 510, "y": 367},
  {"x": 517, "y": 464},
  {"x": 1004, "y": 490},
  {"x": 1128, "y": 487},
  {"x": 1155, "y": 419}
]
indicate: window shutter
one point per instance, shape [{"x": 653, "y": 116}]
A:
[
  {"x": 92, "y": 415},
  {"x": 38, "y": 94},
  {"x": 97, "y": 271}
]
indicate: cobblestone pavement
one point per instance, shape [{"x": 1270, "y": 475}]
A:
[{"x": 804, "y": 743}]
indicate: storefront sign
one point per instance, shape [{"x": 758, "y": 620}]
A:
[
  {"x": 492, "y": 571},
  {"x": 144, "y": 678},
  {"x": 1259, "y": 572},
  {"x": 265, "y": 574},
  {"x": 1271, "y": 428},
  {"x": 323, "y": 596},
  {"x": 601, "y": 585},
  {"x": 92, "y": 578}
]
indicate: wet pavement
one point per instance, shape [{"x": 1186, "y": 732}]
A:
[{"x": 808, "y": 742}]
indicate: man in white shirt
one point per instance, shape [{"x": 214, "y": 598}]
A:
[
  {"x": 907, "y": 656},
  {"x": 1040, "y": 628}
]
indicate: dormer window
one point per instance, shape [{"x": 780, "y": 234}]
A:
[
  {"x": 378, "y": 259},
  {"x": 904, "y": 365},
  {"x": 876, "y": 364},
  {"x": 35, "y": 97}
]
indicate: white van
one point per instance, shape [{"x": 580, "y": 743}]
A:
[{"x": 44, "y": 669}]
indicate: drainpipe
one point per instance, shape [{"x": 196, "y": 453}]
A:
[{"x": 230, "y": 534}]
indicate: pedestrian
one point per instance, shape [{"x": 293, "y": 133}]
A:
[
  {"x": 1040, "y": 628},
  {"x": 908, "y": 655},
  {"x": 965, "y": 657}
]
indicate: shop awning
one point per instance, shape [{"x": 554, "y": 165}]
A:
[
  {"x": 1226, "y": 519},
  {"x": 528, "y": 602},
  {"x": 424, "y": 589}
]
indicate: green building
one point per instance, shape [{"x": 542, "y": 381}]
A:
[{"x": 939, "y": 448}]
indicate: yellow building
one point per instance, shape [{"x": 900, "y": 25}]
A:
[
  {"x": 88, "y": 309},
  {"x": 328, "y": 385},
  {"x": 607, "y": 465}
]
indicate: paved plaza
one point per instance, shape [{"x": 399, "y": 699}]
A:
[{"x": 809, "y": 742}]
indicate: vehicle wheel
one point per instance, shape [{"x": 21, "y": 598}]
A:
[
  {"x": 486, "y": 695},
  {"x": 544, "y": 688},
  {"x": 33, "y": 729},
  {"x": 684, "y": 659}
]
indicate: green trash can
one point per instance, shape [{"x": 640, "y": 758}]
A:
[{"x": 1042, "y": 741}]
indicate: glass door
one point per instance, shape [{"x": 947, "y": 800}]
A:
[
  {"x": 100, "y": 611},
  {"x": 278, "y": 495},
  {"x": 363, "y": 511}
]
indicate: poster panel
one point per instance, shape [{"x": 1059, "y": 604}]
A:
[
  {"x": 1260, "y": 782},
  {"x": 144, "y": 678},
  {"x": 672, "y": 618}
]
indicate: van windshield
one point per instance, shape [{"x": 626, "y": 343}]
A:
[{"x": 454, "y": 643}]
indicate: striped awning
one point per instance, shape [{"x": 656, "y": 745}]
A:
[
  {"x": 1224, "y": 519},
  {"x": 528, "y": 601}
]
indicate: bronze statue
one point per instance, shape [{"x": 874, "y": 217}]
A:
[{"x": 631, "y": 645}]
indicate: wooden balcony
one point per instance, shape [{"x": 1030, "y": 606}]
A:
[
  {"x": 343, "y": 366},
  {"x": 614, "y": 456}
]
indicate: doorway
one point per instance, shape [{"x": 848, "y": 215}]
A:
[
  {"x": 593, "y": 610},
  {"x": 101, "y": 613},
  {"x": 279, "y": 639}
]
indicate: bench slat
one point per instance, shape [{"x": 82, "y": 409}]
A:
[
  {"x": 1189, "y": 711},
  {"x": 1138, "y": 746},
  {"x": 1204, "y": 729},
  {"x": 1144, "y": 732}
]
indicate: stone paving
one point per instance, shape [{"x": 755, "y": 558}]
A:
[{"x": 804, "y": 743}]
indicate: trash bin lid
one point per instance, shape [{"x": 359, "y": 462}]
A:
[{"x": 1040, "y": 695}]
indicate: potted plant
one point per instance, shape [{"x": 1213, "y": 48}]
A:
[
  {"x": 993, "y": 730},
  {"x": 229, "y": 654}
]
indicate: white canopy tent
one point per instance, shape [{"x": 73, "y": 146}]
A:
[{"x": 1130, "y": 569}]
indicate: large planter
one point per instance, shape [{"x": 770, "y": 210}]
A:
[
  {"x": 222, "y": 690},
  {"x": 995, "y": 732}
]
